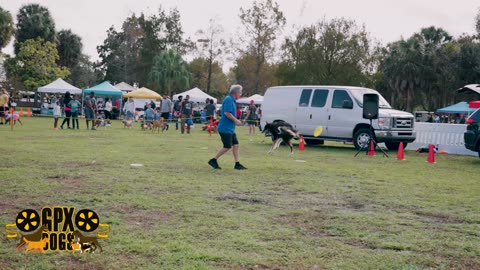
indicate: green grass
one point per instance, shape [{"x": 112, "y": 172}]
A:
[{"x": 333, "y": 211}]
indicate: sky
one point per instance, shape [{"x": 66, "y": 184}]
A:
[{"x": 386, "y": 20}]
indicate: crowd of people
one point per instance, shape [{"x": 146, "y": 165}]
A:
[{"x": 183, "y": 112}]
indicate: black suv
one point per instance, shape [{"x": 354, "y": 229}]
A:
[{"x": 472, "y": 135}]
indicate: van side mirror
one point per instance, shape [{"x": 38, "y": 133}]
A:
[{"x": 347, "y": 104}]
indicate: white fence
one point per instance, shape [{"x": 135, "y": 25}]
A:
[{"x": 448, "y": 137}]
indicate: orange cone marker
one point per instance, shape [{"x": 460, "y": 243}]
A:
[
  {"x": 21, "y": 112},
  {"x": 371, "y": 150},
  {"x": 301, "y": 146},
  {"x": 401, "y": 153},
  {"x": 29, "y": 112},
  {"x": 431, "y": 154}
]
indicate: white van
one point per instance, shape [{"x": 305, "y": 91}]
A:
[{"x": 339, "y": 110}]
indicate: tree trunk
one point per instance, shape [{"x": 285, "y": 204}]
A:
[{"x": 209, "y": 79}]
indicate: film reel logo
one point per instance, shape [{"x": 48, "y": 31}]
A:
[{"x": 58, "y": 228}]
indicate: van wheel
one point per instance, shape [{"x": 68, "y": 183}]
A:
[
  {"x": 314, "y": 142},
  {"x": 361, "y": 138},
  {"x": 393, "y": 146}
]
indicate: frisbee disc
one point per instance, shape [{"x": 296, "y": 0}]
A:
[
  {"x": 136, "y": 165},
  {"x": 318, "y": 131}
]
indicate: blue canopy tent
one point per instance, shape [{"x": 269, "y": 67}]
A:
[
  {"x": 462, "y": 107},
  {"x": 105, "y": 89}
]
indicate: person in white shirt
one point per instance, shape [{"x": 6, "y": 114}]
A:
[
  {"x": 129, "y": 109},
  {"x": 108, "y": 109}
]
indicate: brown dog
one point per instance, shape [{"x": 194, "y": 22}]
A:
[
  {"x": 159, "y": 124},
  {"x": 127, "y": 124},
  {"x": 87, "y": 240}
]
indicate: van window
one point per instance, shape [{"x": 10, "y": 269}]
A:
[
  {"x": 319, "y": 98},
  {"x": 339, "y": 96},
  {"x": 305, "y": 98}
]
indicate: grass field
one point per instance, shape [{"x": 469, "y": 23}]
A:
[{"x": 332, "y": 211}]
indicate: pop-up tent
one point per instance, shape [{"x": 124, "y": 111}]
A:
[
  {"x": 142, "y": 96},
  {"x": 59, "y": 86},
  {"x": 143, "y": 93},
  {"x": 103, "y": 89},
  {"x": 257, "y": 99},
  {"x": 125, "y": 87},
  {"x": 196, "y": 95},
  {"x": 462, "y": 107}
]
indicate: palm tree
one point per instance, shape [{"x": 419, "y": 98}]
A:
[
  {"x": 169, "y": 71},
  {"x": 6, "y": 27},
  {"x": 69, "y": 47},
  {"x": 403, "y": 68}
]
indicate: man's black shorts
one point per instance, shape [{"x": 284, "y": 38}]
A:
[
  {"x": 228, "y": 140},
  {"x": 165, "y": 115}
]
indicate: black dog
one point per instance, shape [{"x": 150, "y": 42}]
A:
[{"x": 281, "y": 131}]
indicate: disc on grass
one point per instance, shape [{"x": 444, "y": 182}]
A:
[
  {"x": 204, "y": 148},
  {"x": 301, "y": 161},
  {"x": 136, "y": 165},
  {"x": 318, "y": 131}
]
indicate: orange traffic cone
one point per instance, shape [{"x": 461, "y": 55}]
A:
[
  {"x": 301, "y": 146},
  {"x": 21, "y": 112},
  {"x": 29, "y": 112},
  {"x": 431, "y": 154},
  {"x": 371, "y": 150},
  {"x": 400, "y": 154}
]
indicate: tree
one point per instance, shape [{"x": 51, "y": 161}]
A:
[
  {"x": 33, "y": 21},
  {"x": 6, "y": 27},
  {"x": 83, "y": 74},
  {"x": 477, "y": 22},
  {"x": 261, "y": 24},
  {"x": 35, "y": 64},
  {"x": 198, "y": 67},
  {"x": 329, "y": 52},
  {"x": 169, "y": 72},
  {"x": 128, "y": 54},
  {"x": 69, "y": 46},
  {"x": 212, "y": 46},
  {"x": 244, "y": 73}
]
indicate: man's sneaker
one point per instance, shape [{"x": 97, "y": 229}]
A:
[
  {"x": 213, "y": 162},
  {"x": 94, "y": 128},
  {"x": 239, "y": 166}
]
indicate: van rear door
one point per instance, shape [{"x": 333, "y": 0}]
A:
[{"x": 312, "y": 113}]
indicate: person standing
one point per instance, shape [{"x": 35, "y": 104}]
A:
[
  {"x": 108, "y": 109},
  {"x": 129, "y": 109},
  {"x": 210, "y": 108},
  {"x": 3, "y": 105},
  {"x": 165, "y": 108},
  {"x": 75, "y": 108},
  {"x": 187, "y": 112},
  {"x": 226, "y": 128},
  {"x": 66, "y": 110},
  {"x": 90, "y": 104},
  {"x": 177, "y": 114},
  {"x": 57, "y": 112},
  {"x": 251, "y": 117}
]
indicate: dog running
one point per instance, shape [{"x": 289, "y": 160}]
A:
[{"x": 281, "y": 131}]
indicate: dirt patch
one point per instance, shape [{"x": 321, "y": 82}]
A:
[
  {"x": 463, "y": 263},
  {"x": 74, "y": 263},
  {"x": 242, "y": 197},
  {"x": 145, "y": 219},
  {"x": 439, "y": 217},
  {"x": 69, "y": 183}
]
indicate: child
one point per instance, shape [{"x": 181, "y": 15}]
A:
[
  {"x": 74, "y": 105},
  {"x": 148, "y": 116},
  {"x": 56, "y": 114}
]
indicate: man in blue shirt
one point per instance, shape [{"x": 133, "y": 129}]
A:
[{"x": 226, "y": 128}]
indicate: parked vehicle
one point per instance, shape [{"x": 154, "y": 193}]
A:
[
  {"x": 472, "y": 134},
  {"x": 338, "y": 109}
]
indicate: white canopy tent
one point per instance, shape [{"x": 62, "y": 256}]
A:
[
  {"x": 196, "y": 95},
  {"x": 257, "y": 99},
  {"x": 125, "y": 87},
  {"x": 60, "y": 86}
]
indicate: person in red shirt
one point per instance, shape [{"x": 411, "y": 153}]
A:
[{"x": 239, "y": 113}]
